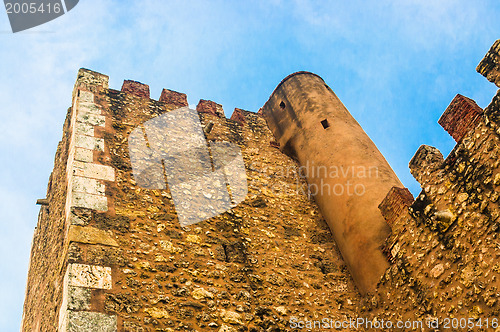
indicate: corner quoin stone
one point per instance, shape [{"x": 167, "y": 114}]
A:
[
  {"x": 79, "y": 321},
  {"x": 90, "y": 276}
]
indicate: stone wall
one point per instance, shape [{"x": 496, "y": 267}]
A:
[
  {"x": 123, "y": 260},
  {"x": 444, "y": 245},
  {"x": 110, "y": 255}
]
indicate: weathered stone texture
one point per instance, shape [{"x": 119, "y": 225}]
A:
[
  {"x": 79, "y": 321},
  {"x": 271, "y": 254},
  {"x": 489, "y": 67},
  {"x": 173, "y": 98},
  {"x": 44, "y": 291},
  {"x": 210, "y": 107},
  {"x": 136, "y": 88},
  {"x": 444, "y": 247},
  {"x": 110, "y": 255},
  {"x": 461, "y": 115}
]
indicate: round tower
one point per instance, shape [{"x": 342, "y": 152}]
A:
[{"x": 346, "y": 173}]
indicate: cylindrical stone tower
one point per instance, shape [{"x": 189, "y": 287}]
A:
[{"x": 346, "y": 173}]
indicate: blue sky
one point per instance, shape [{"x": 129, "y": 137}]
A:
[{"x": 396, "y": 65}]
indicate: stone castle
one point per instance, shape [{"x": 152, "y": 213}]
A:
[{"x": 326, "y": 233}]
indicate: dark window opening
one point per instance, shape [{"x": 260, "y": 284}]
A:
[
  {"x": 282, "y": 105},
  {"x": 78, "y": 93},
  {"x": 325, "y": 123}
]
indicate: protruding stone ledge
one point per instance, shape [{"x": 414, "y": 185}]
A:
[
  {"x": 460, "y": 116},
  {"x": 394, "y": 204},
  {"x": 136, "y": 88},
  {"x": 489, "y": 67},
  {"x": 173, "y": 98},
  {"x": 426, "y": 160},
  {"x": 210, "y": 107}
]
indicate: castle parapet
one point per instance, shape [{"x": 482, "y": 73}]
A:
[
  {"x": 460, "y": 116},
  {"x": 210, "y": 107},
  {"x": 238, "y": 116},
  {"x": 136, "y": 88},
  {"x": 173, "y": 98},
  {"x": 426, "y": 160},
  {"x": 396, "y": 201},
  {"x": 489, "y": 67}
]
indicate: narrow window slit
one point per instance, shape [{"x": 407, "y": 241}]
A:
[{"x": 325, "y": 123}]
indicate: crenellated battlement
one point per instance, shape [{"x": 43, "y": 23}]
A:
[
  {"x": 109, "y": 251},
  {"x": 489, "y": 67},
  {"x": 460, "y": 117},
  {"x": 442, "y": 245}
]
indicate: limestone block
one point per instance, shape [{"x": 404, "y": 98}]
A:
[
  {"x": 86, "y": 96},
  {"x": 94, "y": 202},
  {"x": 89, "y": 108},
  {"x": 77, "y": 217},
  {"x": 157, "y": 313},
  {"x": 91, "y": 118},
  {"x": 90, "y": 235},
  {"x": 78, "y": 298},
  {"x": 84, "y": 155},
  {"x": 88, "y": 142},
  {"x": 84, "y": 129},
  {"x": 231, "y": 317},
  {"x": 90, "y": 321},
  {"x": 88, "y": 185},
  {"x": 201, "y": 293},
  {"x": 94, "y": 171},
  {"x": 89, "y": 276}
]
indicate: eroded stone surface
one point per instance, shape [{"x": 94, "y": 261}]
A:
[
  {"x": 94, "y": 202},
  {"x": 79, "y": 321},
  {"x": 78, "y": 298},
  {"x": 91, "y": 235},
  {"x": 90, "y": 276},
  {"x": 94, "y": 171}
]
